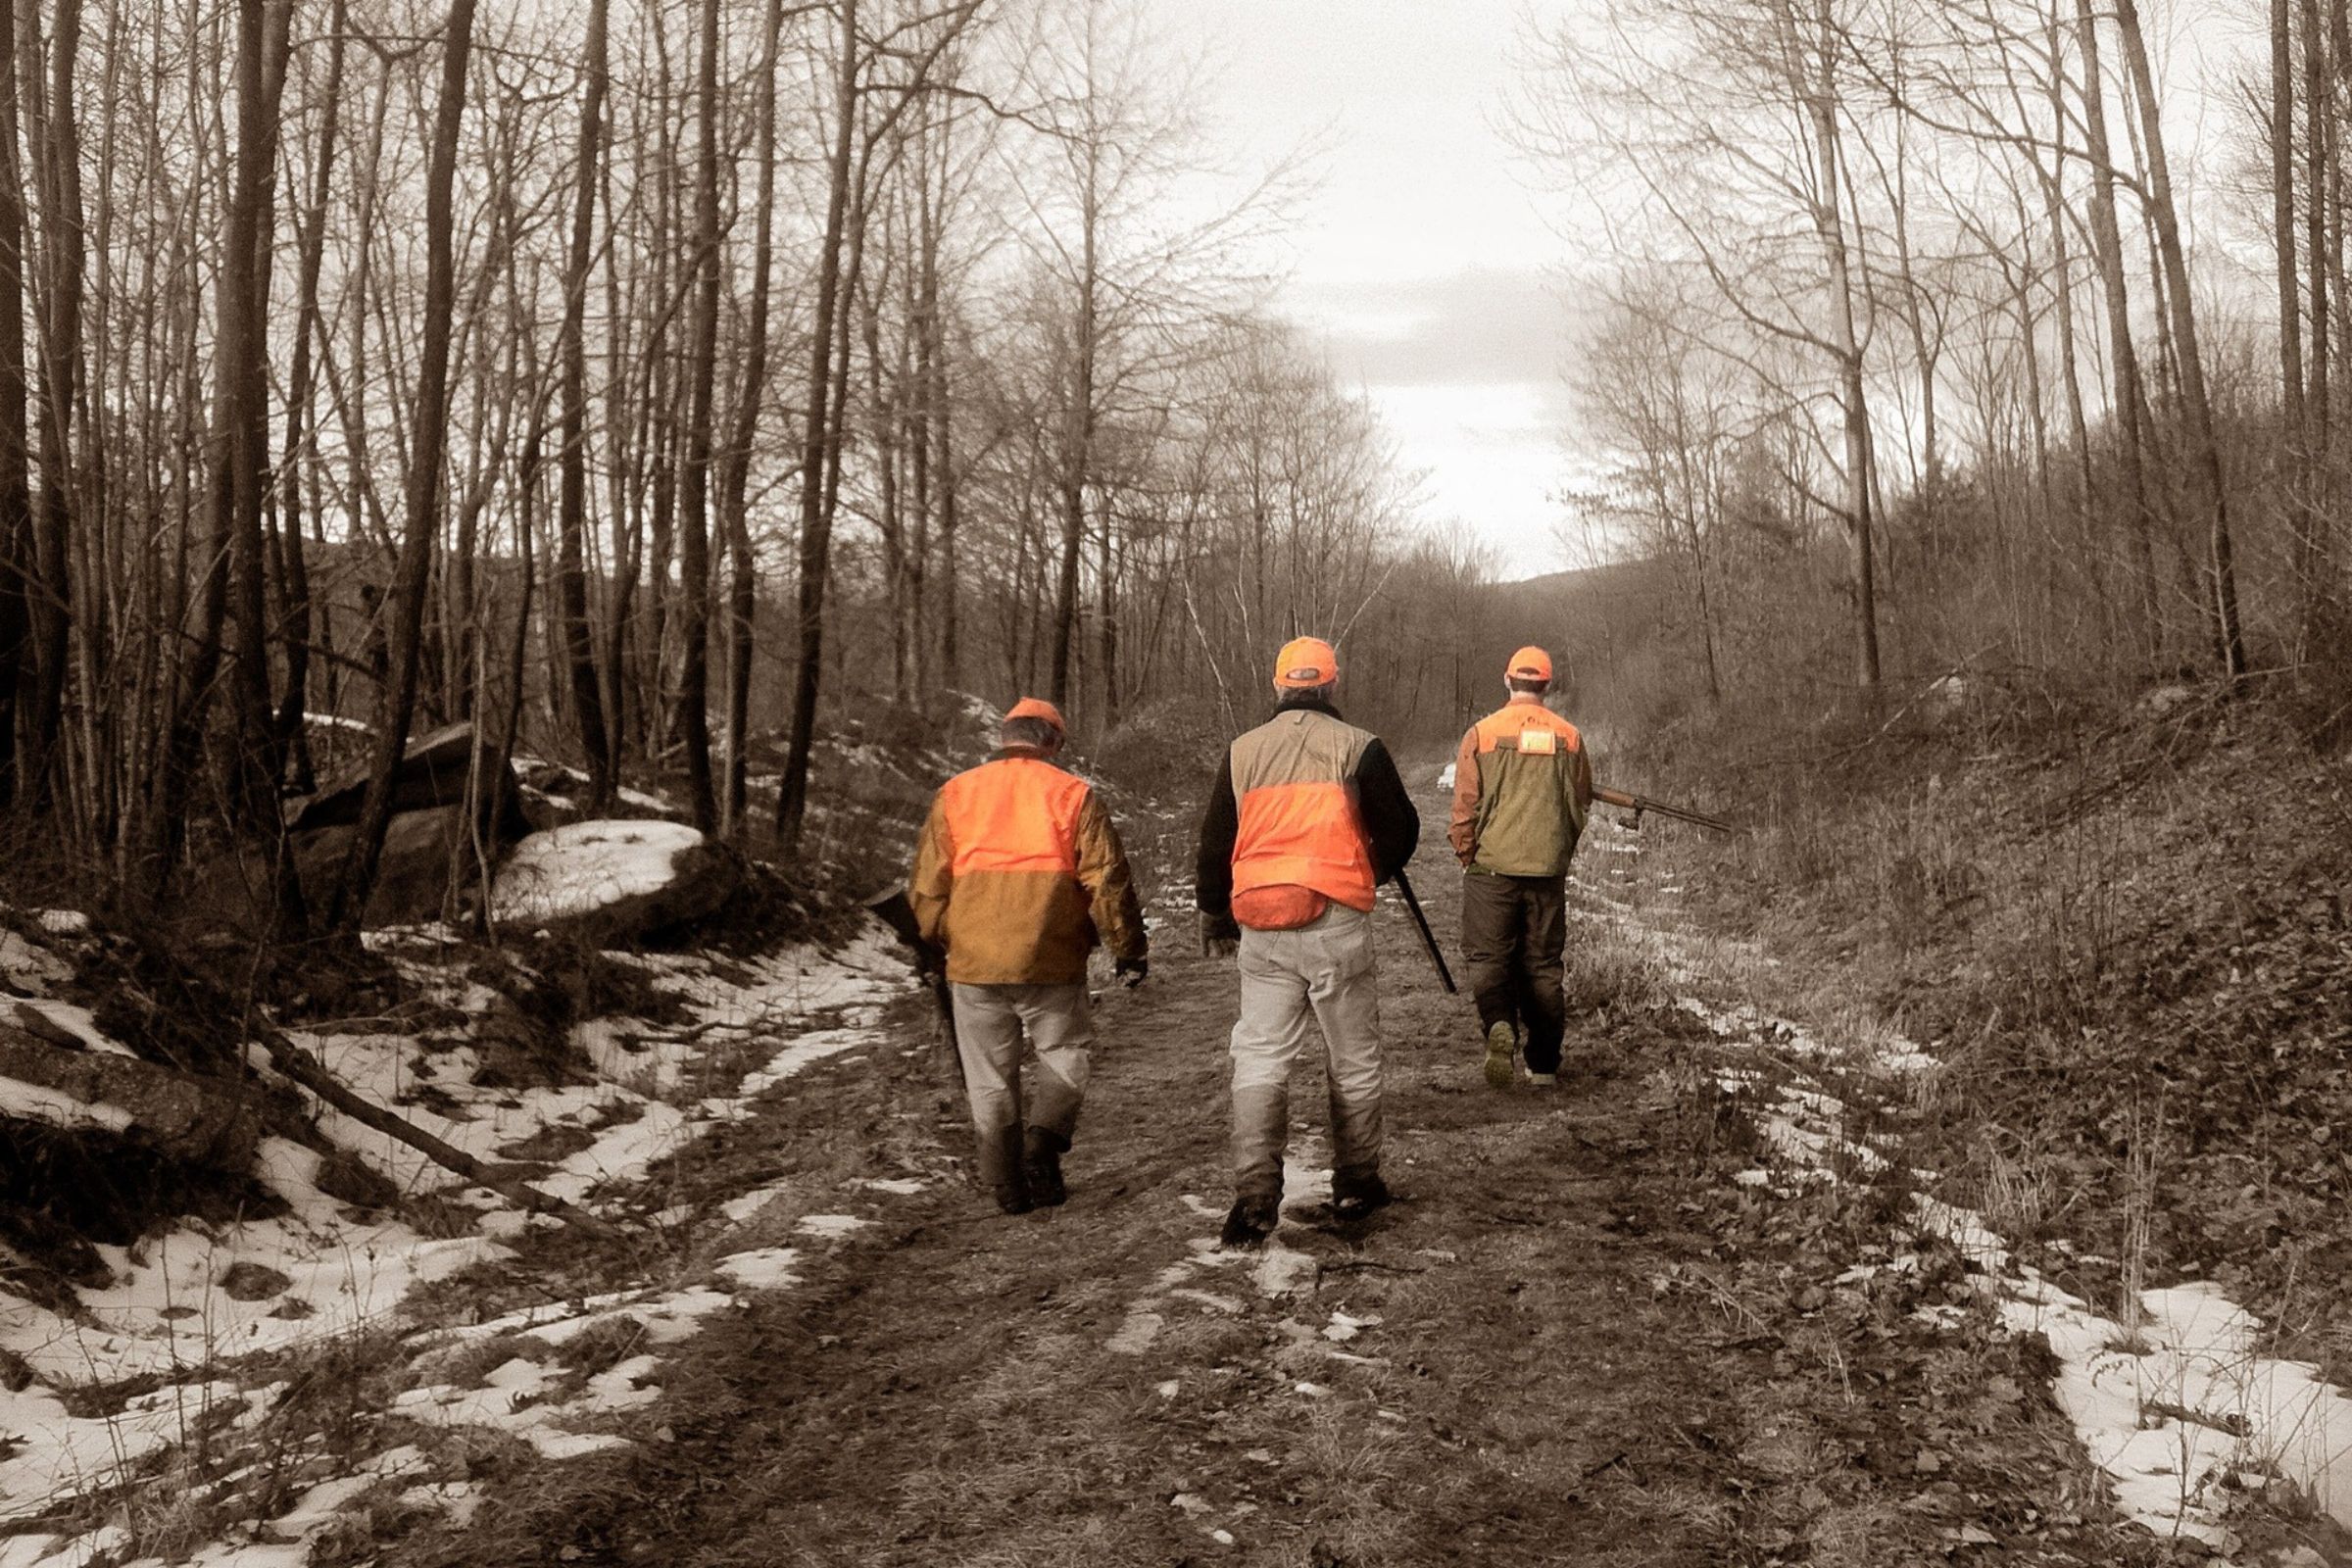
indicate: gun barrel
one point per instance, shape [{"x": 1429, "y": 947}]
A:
[
  {"x": 1429, "y": 937},
  {"x": 1638, "y": 804}
]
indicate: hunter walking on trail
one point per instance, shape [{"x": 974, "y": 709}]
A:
[
  {"x": 1522, "y": 791},
  {"x": 1017, "y": 875},
  {"x": 1306, "y": 820}
]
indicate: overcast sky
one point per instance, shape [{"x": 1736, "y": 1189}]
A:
[{"x": 1420, "y": 261}]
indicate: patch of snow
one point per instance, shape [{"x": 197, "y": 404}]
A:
[
  {"x": 1136, "y": 1333},
  {"x": 79, "y": 1023},
  {"x": 741, "y": 1208},
  {"x": 39, "y": 1103},
  {"x": 1285, "y": 1271},
  {"x": 830, "y": 1225},
  {"x": 30, "y": 968},
  {"x": 456, "y": 1500},
  {"x": 763, "y": 1268},
  {"x": 576, "y": 869},
  {"x": 903, "y": 1185}
]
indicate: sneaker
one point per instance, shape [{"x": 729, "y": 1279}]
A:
[
  {"x": 1248, "y": 1222},
  {"x": 1501, "y": 1044},
  {"x": 1356, "y": 1199},
  {"x": 1542, "y": 1080}
]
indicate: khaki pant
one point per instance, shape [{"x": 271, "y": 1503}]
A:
[
  {"x": 988, "y": 1024},
  {"x": 1323, "y": 971}
]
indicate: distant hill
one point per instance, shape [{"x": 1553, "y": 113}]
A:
[{"x": 1600, "y": 623}]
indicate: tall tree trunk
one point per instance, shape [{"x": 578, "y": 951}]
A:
[
  {"x": 294, "y": 563},
  {"x": 1077, "y": 441},
  {"x": 571, "y": 502},
  {"x": 229, "y": 588},
  {"x": 694, "y": 490},
  {"x": 735, "y": 473},
  {"x": 2204, "y": 456},
  {"x": 406, "y": 609},
  {"x": 52, "y": 132},
  {"x": 1821, "y": 104},
  {"x": 2129, "y": 399},
  {"x": 2062, "y": 272},
  {"x": 2294, "y": 435},
  {"x": 15, "y": 461},
  {"x": 819, "y": 447}
]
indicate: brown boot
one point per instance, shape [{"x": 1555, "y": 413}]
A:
[{"x": 1040, "y": 1165}]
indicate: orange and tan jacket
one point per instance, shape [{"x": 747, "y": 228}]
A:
[
  {"x": 1017, "y": 874},
  {"x": 1307, "y": 808},
  {"x": 1522, "y": 791}
]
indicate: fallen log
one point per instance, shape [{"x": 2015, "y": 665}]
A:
[{"x": 312, "y": 1075}]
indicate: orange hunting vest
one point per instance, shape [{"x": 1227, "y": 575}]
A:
[
  {"x": 1298, "y": 825},
  {"x": 1017, "y": 813}
]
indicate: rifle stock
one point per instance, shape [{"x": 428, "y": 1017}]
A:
[
  {"x": 1639, "y": 803},
  {"x": 889, "y": 906}
]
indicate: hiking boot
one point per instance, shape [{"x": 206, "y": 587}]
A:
[
  {"x": 1358, "y": 1197},
  {"x": 1013, "y": 1200},
  {"x": 1041, "y": 1163},
  {"x": 1250, "y": 1221},
  {"x": 1542, "y": 1080},
  {"x": 1501, "y": 1044}
]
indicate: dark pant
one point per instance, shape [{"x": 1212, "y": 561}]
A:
[{"x": 1515, "y": 929}]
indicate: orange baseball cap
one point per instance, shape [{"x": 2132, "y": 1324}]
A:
[
  {"x": 1305, "y": 663},
  {"x": 1530, "y": 663},
  {"x": 1037, "y": 708}
]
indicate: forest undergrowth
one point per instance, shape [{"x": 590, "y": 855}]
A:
[{"x": 2125, "y": 938}]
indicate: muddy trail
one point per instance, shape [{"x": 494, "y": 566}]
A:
[{"x": 1583, "y": 1333}]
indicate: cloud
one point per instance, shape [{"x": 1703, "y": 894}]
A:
[{"x": 1472, "y": 329}]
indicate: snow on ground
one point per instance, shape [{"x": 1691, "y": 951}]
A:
[
  {"x": 575, "y": 870},
  {"x": 185, "y": 1305},
  {"x": 2180, "y": 1408}
]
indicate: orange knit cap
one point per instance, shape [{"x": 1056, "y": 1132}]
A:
[
  {"x": 1530, "y": 663},
  {"x": 1037, "y": 708},
  {"x": 1305, "y": 664}
]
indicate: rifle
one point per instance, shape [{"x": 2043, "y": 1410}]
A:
[
  {"x": 889, "y": 906},
  {"x": 1638, "y": 804},
  {"x": 1429, "y": 937}
]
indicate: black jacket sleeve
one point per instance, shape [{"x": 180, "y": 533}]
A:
[
  {"x": 1212, "y": 867},
  {"x": 1390, "y": 824}
]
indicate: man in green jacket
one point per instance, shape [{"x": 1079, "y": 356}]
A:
[{"x": 1522, "y": 793}]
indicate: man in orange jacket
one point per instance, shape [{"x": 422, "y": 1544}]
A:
[
  {"x": 1017, "y": 875},
  {"x": 1522, "y": 793},
  {"x": 1306, "y": 820}
]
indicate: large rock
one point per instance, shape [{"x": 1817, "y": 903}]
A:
[
  {"x": 412, "y": 874},
  {"x": 612, "y": 881},
  {"x": 202, "y": 1121},
  {"x": 431, "y": 775},
  {"x": 424, "y": 838}
]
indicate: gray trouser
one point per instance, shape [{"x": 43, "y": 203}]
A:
[
  {"x": 1323, "y": 970},
  {"x": 988, "y": 1023}
]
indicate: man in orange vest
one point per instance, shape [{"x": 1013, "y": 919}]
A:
[
  {"x": 1307, "y": 817},
  {"x": 1017, "y": 875},
  {"x": 1522, "y": 793}
]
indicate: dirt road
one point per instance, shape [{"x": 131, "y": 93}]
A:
[{"x": 1574, "y": 1339}]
